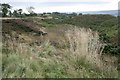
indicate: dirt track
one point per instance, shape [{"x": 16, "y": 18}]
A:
[{"x": 8, "y": 18}]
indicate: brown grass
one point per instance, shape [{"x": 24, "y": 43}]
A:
[{"x": 85, "y": 44}]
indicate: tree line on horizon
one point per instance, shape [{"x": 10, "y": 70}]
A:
[{"x": 6, "y": 11}]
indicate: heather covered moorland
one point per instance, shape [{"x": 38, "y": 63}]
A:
[{"x": 59, "y": 45}]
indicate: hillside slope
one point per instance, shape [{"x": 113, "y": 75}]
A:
[{"x": 62, "y": 53}]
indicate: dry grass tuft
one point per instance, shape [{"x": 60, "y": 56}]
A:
[{"x": 85, "y": 45}]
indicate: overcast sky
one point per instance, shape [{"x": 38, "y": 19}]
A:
[{"x": 64, "y": 5}]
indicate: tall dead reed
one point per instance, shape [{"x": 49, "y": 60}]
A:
[{"x": 85, "y": 45}]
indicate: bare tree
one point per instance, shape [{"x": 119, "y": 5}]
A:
[
  {"x": 30, "y": 9},
  {"x": 20, "y": 12}
]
